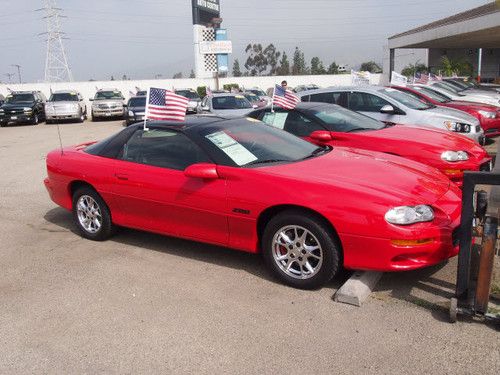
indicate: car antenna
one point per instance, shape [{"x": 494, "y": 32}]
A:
[{"x": 57, "y": 124}]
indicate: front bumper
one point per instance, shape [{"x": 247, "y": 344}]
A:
[
  {"x": 63, "y": 115},
  {"x": 456, "y": 172},
  {"x": 412, "y": 247},
  {"x": 133, "y": 119},
  {"x": 119, "y": 112},
  {"x": 16, "y": 118}
]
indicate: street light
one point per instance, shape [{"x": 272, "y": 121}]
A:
[{"x": 18, "y": 71}]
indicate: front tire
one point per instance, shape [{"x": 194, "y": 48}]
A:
[
  {"x": 91, "y": 215},
  {"x": 35, "y": 120},
  {"x": 81, "y": 117},
  {"x": 300, "y": 250}
]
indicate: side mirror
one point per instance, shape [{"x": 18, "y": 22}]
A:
[
  {"x": 388, "y": 109},
  {"x": 321, "y": 136},
  {"x": 202, "y": 170}
]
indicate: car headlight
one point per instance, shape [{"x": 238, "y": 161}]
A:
[
  {"x": 405, "y": 215},
  {"x": 27, "y": 109},
  {"x": 131, "y": 114},
  {"x": 487, "y": 114},
  {"x": 1, "y": 111},
  {"x": 454, "y": 156},
  {"x": 457, "y": 127}
]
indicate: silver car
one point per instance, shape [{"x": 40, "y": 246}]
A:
[
  {"x": 192, "y": 96},
  {"x": 108, "y": 103},
  {"x": 226, "y": 104},
  {"x": 65, "y": 105},
  {"x": 395, "y": 107}
]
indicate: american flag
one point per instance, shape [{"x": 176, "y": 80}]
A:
[
  {"x": 433, "y": 77},
  {"x": 208, "y": 91},
  {"x": 165, "y": 105},
  {"x": 284, "y": 98},
  {"x": 421, "y": 78}
]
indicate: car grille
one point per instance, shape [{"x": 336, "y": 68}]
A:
[
  {"x": 14, "y": 111},
  {"x": 108, "y": 106}
]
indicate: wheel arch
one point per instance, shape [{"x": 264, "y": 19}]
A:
[{"x": 270, "y": 212}]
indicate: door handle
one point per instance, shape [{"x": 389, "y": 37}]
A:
[{"x": 121, "y": 176}]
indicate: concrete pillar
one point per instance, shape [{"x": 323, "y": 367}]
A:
[{"x": 391, "y": 63}]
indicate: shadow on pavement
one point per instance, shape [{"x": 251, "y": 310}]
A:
[{"x": 220, "y": 256}]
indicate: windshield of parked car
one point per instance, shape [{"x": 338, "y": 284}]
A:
[
  {"x": 252, "y": 98},
  {"x": 441, "y": 98},
  {"x": 230, "y": 102},
  {"x": 457, "y": 84},
  {"x": 20, "y": 98},
  {"x": 101, "y": 95},
  {"x": 258, "y": 92},
  {"x": 137, "y": 102},
  {"x": 188, "y": 94},
  {"x": 64, "y": 97},
  {"x": 338, "y": 119},
  {"x": 448, "y": 87},
  {"x": 248, "y": 142},
  {"x": 405, "y": 99}
]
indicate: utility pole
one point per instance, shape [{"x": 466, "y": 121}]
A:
[
  {"x": 56, "y": 63},
  {"x": 18, "y": 71},
  {"x": 9, "y": 76}
]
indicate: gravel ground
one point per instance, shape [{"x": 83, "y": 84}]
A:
[{"x": 143, "y": 303}]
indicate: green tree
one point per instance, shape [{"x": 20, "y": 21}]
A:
[
  {"x": 256, "y": 62},
  {"x": 177, "y": 75},
  {"x": 236, "y": 68},
  {"x": 460, "y": 67},
  {"x": 299, "y": 63},
  {"x": 284, "y": 68},
  {"x": 272, "y": 56},
  {"x": 333, "y": 68},
  {"x": 411, "y": 69},
  {"x": 371, "y": 66},
  {"x": 317, "y": 66}
]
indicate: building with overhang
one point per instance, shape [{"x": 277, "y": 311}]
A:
[{"x": 472, "y": 36}]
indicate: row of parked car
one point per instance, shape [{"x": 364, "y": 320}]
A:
[{"x": 314, "y": 189}]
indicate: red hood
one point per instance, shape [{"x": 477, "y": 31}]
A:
[
  {"x": 386, "y": 178},
  {"x": 418, "y": 143},
  {"x": 463, "y": 105}
]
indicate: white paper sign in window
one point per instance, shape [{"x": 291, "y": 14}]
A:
[
  {"x": 275, "y": 119},
  {"x": 239, "y": 154}
]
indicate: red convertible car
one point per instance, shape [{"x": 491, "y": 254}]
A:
[
  {"x": 330, "y": 124},
  {"x": 488, "y": 115},
  {"x": 245, "y": 185}
]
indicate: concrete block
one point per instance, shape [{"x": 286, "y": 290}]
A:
[{"x": 358, "y": 287}]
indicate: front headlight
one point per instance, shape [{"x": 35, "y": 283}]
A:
[
  {"x": 130, "y": 114},
  {"x": 457, "y": 127},
  {"x": 27, "y": 109},
  {"x": 487, "y": 114},
  {"x": 405, "y": 215},
  {"x": 454, "y": 156},
  {"x": 1, "y": 110}
]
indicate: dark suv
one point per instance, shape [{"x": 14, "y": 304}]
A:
[{"x": 23, "y": 107}]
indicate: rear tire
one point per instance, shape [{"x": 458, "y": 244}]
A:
[
  {"x": 91, "y": 215},
  {"x": 300, "y": 250}
]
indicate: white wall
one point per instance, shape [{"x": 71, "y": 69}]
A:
[{"x": 88, "y": 89}]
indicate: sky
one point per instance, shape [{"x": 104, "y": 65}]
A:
[{"x": 146, "y": 38}]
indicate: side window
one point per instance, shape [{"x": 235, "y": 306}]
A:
[
  {"x": 299, "y": 125},
  {"x": 162, "y": 148},
  {"x": 363, "y": 102},
  {"x": 306, "y": 98},
  {"x": 324, "y": 97}
]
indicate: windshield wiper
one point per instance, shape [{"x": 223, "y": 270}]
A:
[
  {"x": 265, "y": 161},
  {"x": 317, "y": 152}
]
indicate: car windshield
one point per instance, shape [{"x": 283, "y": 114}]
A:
[
  {"x": 258, "y": 92},
  {"x": 449, "y": 87},
  {"x": 108, "y": 95},
  {"x": 441, "y": 98},
  {"x": 64, "y": 97},
  {"x": 20, "y": 98},
  {"x": 137, "y": 102},
  {"x": 230, "y": 102},
  {"x": 339, "y": 119},
  {"x": 405, "y": 99},
  {"x": 251, "y": 97},
  {"x": 248, "y": 142},
  {"x": 459, "y": 85},
  {"x": 190, "y": 94}
]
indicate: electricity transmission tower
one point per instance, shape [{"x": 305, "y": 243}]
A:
[{"x": 56, "y": 63}]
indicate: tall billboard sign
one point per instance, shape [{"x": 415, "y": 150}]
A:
[{"x": 204, "y": 11}]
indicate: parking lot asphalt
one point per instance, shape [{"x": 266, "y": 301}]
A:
[{"x": 143, "y": 303}]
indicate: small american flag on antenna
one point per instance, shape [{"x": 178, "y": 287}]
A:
[
  {"x": 421, "y": 78},
  {"x": 165, "y": 105},
  {"x": 284, "y": 98}
]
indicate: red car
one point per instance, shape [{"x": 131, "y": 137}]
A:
[
  {"x": 488, "y": 115},
  {"x": 248, "y": 186},
  {"x": 330, "y": 124}
]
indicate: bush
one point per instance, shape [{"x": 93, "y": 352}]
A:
[
  {"x": 230, "y": 86},
  {"x": 202, "y": 91}
]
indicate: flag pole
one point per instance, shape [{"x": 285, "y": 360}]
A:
[
  {"x": 272, "y": 99},
  {"x": 145, "y": 127}
]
